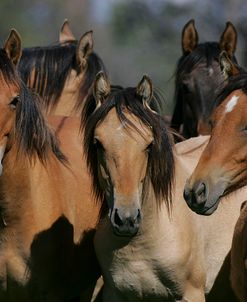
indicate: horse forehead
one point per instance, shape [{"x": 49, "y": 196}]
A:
[
  {"x": 236, "y": 100},
  {"x": 8, "y": 90},
  {"x": 206, "y": 70},
  {"x": 112, "y": 126},
  {"x": 233, "y": 105}
]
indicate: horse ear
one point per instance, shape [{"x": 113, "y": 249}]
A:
[
  {"x": 12, "y": 46},
  {"x": 189, "y": 37},
  {"x": 228, "y": 68},
  {"x": 228, "y": 39},
  {"x": 84, "y": 48},
  {"x": 145, "y": 91},
  {"x": 66, "y": 34},
  {"x": 101, "y": 89}
]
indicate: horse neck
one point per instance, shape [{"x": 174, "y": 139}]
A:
[
  {"x": 69, "y": 103},
  {"x": 26, "y": 189},
  {"x": 64, "y": 107}
]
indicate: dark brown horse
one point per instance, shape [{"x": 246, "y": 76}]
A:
[
  {"x": 62, "y": 74},
  {"x": 198, "y": 79}
]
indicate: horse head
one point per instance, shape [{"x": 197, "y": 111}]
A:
[
  {"x": 222, "y": 166},
  {"x": 124, "y": 143},
  {"x": 199, "y": 78}
]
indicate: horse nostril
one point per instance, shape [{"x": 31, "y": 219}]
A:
[
  {"x": 117, "y": 219},
  {"x": 200, "y": 193},
  {"x": 138, "y": 218},
  {"x": 187, "y": 194}
]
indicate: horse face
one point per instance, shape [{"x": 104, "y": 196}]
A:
[
  {"x": 222, "y": 166},
  {"x": 123, "y": 157},
  {"x": 197, "y": 78},
  {"x": 199, "y": 90}
]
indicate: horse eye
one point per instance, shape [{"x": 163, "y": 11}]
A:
[
  {"x": 14, "y": 102},
  {"x": 149, "y": 148},
  {"x": 98, "y": 144}
]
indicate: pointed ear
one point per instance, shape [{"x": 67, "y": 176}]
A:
[
  {"x": 84, "y": 48},
  {"x": 12, "y": 46},
  {"x": 101, "y": 89},
  {"x": 66, "y": 34},
  {"x": 228, "y": 68},
  {"x": 145, "y": 91},
  {"x": 228, "y": 39},
  {"x": 189, "y": 37}
]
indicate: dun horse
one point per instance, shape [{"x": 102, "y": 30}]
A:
[
  {"x": 222, "y": 169},
  {"x": 150, "y": 246},
  {"x": 47, "y": 213},
  {"x": 198, "y": 79},
  {"x": 62, "y": 74}
]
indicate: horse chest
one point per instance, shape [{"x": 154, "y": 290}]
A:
[{"x": 142, "y": 276}]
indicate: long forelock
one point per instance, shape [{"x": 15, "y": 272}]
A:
[
  {"x": 161, "y": 161},
  {"x": 204, "y": 53}
]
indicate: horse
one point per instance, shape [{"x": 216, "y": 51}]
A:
[
  {"x": 198, "y": 79},
  {"x": 47, "y": 213},
  {"x": 150, "y": 246},
  {"x": 221, "y": 171},
  {"x": 62, "y": 74}
]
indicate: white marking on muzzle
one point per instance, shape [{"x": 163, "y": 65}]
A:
[{"x": 231, "y": 104}]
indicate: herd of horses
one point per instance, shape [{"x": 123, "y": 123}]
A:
[{"x": 94, "y": 183}]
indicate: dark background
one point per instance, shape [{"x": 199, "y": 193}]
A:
[{"x": 133, "y": 37}]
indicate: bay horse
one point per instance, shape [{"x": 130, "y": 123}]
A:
[
  {"x": 47, "y": 213},
  {"x": 198, "y": 79},
  {"x": 222, "y": 166},
  {"x": 62, "y": 74},
  {"x": 222, "y": 169},
  {"x": 150, "y": 246}
]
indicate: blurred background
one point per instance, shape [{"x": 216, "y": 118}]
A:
[{"x": 133, "y": 37}]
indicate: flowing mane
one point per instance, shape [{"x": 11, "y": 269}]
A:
[
  {"x": 31, "y": 133},
  {"x": 49, "y": 68},
  {"x": 161, "y": 161}
]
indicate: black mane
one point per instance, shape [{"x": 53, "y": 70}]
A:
[
  {"x": 51, "y": 66},
  {"x": 207, "y": 52},
  {"x": 161, "y": 161},
  {"x": 31, "y": 134}
]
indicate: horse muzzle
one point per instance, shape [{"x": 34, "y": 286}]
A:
[
  {"x": 125, "y": 223},
  {"x": 201, "y": 198}
]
